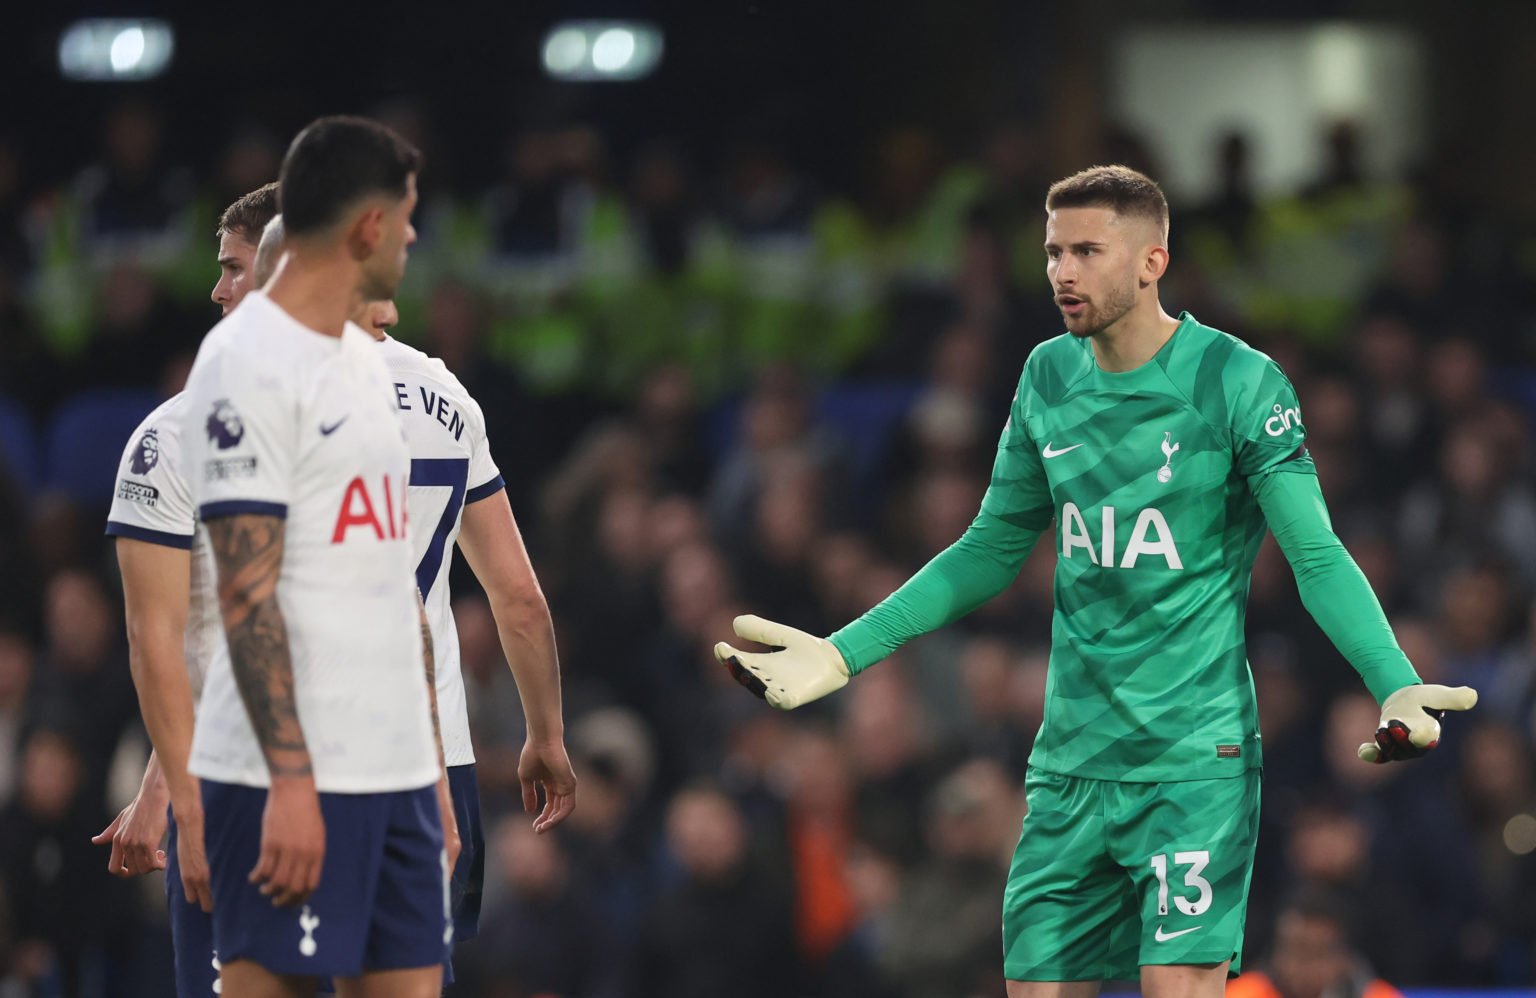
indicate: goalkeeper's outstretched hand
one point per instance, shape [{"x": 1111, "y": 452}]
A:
[
  {"x": 804, "y": 668},
  {"x": 1410, "y": 721}
]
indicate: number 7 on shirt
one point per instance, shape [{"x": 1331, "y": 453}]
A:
[{"x": 446, "y": 473}]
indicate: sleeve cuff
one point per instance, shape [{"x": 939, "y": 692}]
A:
[
  {"x": 148, "y": 536},
  {"x": 234, "y": 507},
  {"x": 485, "y": 491}
]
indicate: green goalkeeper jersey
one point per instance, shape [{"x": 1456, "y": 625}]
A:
[
  {"x": 1161, "y": 482},
  {"x": 1146, "y": 474}
]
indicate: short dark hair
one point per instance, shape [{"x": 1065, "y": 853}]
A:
[
  {"x": 334, "y": 162},
  {"x": 1120, "y": 188},
  {"x": 250, "y": 213}
]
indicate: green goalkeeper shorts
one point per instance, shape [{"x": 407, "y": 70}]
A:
[{"x": 1109, "y": 877}]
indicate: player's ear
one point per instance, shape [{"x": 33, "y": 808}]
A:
[
  {"x": 366, "y": 233},
  {"x": 1154, "y": 265}
]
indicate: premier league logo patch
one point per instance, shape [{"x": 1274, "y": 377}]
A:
[
  {"x": 224, "y": 425},
  {"x": 147, "y": 454}
]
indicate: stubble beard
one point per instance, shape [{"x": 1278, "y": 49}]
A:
[{"x": 1096, "y": 318}]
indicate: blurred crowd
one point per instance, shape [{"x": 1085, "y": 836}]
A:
[{"x": 717, "y": 386}]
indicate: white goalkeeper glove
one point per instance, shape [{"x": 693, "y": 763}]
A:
[
  {"x": 1410, "y": 721},
  {"x": 805, "y": 667}
]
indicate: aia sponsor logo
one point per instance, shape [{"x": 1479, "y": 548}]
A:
[{"x": 378, "y": 510}]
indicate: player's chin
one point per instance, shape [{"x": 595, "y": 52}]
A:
[{"x": 1078, "y": 325}]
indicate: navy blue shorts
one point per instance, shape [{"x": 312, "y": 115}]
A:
[
  {"x": 382, "y": 903},
  {"x": 197, "y": 964},
  {"x": 469, "y": 871}
]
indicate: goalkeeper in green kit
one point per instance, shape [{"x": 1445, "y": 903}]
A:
[{"x": 1161, "y": 449}]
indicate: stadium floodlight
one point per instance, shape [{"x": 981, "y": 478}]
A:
[
  {"x": 602, "y": 51},
  {"x": 115, "y": 50}
]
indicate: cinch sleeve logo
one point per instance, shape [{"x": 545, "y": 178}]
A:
[
  {"x": 224, "y": 426},
  {"x": 1284, "y": 419}
]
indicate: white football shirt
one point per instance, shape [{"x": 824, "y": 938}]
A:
[
  {"x": 451, "y": 466},
  {"x": 153, "y": 503},
  {"x": 284, "y": 421}
]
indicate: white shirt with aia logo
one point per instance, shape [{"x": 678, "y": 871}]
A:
[{"x": 283, "y": 421}]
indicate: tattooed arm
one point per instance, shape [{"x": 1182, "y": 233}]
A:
[
  {"x": 248, "y": 553},
  {"x": 248, "y": 550},
  {"x": 451, "y": 841}
]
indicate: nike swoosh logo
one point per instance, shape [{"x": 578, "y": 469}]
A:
[
  {"x": 326, "y": 431},
  {"x": 1163, "y": 937},
  {"x": 1048, "y": 453}
]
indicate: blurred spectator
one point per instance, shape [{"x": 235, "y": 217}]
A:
[
  {"x": 725, "y": 927},
  {"x": 17, "y": 663},
  {"x": 1343, "y": 170},
  {"x": 133, "y": 204},
  {"x": 819, "y": 826},
  {"x": 995, "y": 723},
  {"x": 530, "y": 211},
  {"x": 20, "y": 573},
  {"x": 1416, "y": 290},
  {"x": 775, "y": 423},
  {"x": 1475, "y": 615},
  {"x": 666, "y": 212},
  {"x": 775, "y": 557},
  {"x": 1499, "y": 794},
  {"x": 1357, "y": 851},
  {"x": 854, "y": 969},
  {"x": 250, "y": 160},
  {"x": 951, "y": 425},
  {"x": 76, "y": 926},
  {"x": 884, "y": 732},
  {"x": 16, "y": 250},
  {"x": 1232, "y": 210},
  {"x": 1311, "y": 956},
  {"x": 1331, "y": 848},
  {"x": 137, "y": 333},
  {"x": 611, "y": 846},
  {"x": 28, "y": 371},
  {"x": 765, "y": 202},
  {"x": 1475, "y": 511},
  {"x": 973, "y": 821},
  {"x": 667, "y": 412},
  {"x": 1456, "y": 378},
  {"x": 543, "y": 938},
  {"x": 82, "y": 683},
  {"x": 1388, "y": 359}
]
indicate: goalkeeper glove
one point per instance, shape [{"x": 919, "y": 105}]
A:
[
  {"x": 805, "y": 667},
  {"x": 1410, "y": 721}
]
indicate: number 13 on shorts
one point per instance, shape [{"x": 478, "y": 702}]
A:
[{"x": 1196, "y": 861}]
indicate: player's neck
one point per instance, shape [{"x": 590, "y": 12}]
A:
[
  {"x": 1134, "y": 339},
  {"x": 315, "y": 290}
]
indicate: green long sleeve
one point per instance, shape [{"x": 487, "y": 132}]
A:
[
  {"x": 980, "y": 565},
  {"x": 1333, "y": 589}
]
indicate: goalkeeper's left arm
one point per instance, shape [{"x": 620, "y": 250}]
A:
[{"x": 1337, "y": 595}]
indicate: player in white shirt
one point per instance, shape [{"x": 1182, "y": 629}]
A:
[
  {"x": 313, "y": 742},
  {"x": 173, "y": 627},
  {"x": 458, "y": 494}
]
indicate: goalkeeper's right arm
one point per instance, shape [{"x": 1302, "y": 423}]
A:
[{"x": 980, "y": 565}]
